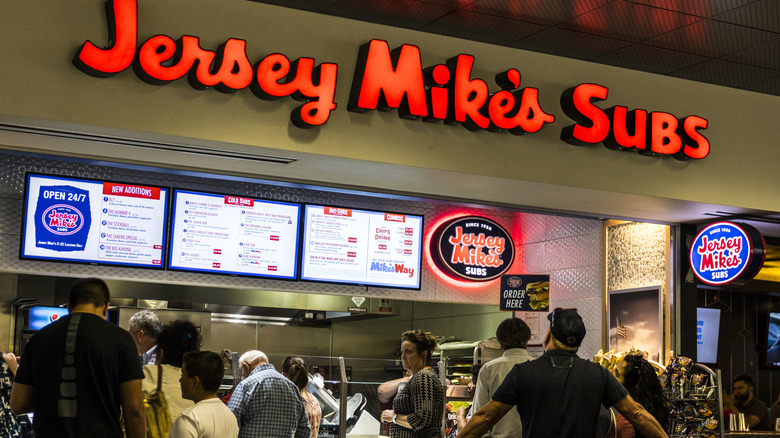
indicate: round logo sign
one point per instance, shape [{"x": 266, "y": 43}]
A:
[
  {"x": 514, "y": 282},
  {"x": 726, "y": 252},
  {"x": 62, "y": 219},
  {"x": 472, "y": 248}
]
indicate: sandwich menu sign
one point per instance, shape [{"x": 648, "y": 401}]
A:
[
  {"x": 525, "y": 293},
  {"x": 387, "y": 79}
]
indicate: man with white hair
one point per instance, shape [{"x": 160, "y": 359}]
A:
[
  {"x": 144, "y": 328},
  {"x": 249, "y": 361},
  {"x": 265, "y": 403}
]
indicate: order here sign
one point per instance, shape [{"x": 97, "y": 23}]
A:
[{"x": 525, "y": 292}]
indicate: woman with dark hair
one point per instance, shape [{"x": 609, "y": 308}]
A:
[
  {"x": 419, "y": 406},
  {"x": 9, "y": 426},
  {"x": 174, "y": 340},
  {"x": 294, "y": 369},
  {"x": 640, "y": 379},
  {"x": 289, "y": 361}
]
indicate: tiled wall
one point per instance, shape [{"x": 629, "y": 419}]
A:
[{"x": 637, "y": 257}]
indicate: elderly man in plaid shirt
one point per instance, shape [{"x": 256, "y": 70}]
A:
[{"x": 268, "y": 405}]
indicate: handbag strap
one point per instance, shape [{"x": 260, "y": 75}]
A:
[{"x": 159, "y": 377}]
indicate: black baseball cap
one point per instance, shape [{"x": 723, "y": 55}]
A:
[{"x": 567, "y": 326}]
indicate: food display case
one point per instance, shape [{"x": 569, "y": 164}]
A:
[
  {"x": 692, "y": 389},
  {"x": 694, "y": 394}
]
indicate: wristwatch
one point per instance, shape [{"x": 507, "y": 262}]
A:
[{"x": 394, "y": 416}]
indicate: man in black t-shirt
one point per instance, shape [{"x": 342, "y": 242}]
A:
[
  {"x": 743, "y": 400},
  {"x": 559, "y": 394},
  {"x": 77, "y": 372}
]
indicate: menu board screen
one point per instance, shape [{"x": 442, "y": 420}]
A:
[
  {"x": 89, "y": 221},
  {"x": 375, "y": 248},
  {"x": 234, "y": 235}
]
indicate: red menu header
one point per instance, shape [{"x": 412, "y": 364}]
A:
[
  {"x": 131, "y": 191},
  {"x": 235, "y": 200},
  {"x": 394, "y": 217},
  {"x": 336, "y": 211}
]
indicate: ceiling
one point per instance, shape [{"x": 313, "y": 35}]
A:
[{"x": 733, "y": 43}]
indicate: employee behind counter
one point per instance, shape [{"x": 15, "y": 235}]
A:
[{"x": 743, "y": 400}]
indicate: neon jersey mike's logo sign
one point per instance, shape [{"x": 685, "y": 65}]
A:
[
  {"x": 387, "y": 79},
  {"x": 472, "y": 248},
  {"x": 726, "y": 252}
]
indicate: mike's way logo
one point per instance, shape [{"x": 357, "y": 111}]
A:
[{"x": 398, "y": 268}]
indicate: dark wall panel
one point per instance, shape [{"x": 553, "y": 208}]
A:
[{"x": 743, "y": 330}]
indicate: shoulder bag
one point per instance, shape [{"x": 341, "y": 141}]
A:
[{"x": 158, "y": 418}]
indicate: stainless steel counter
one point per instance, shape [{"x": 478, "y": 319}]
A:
[{"x": 753, "y": 433}]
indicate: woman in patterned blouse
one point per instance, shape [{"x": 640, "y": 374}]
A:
[
  {"x": 9, "y": 427},
  {"x": 418, "y": 408}
]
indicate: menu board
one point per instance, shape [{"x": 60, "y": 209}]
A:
[
  {"x": 346, "y": 245},
  {"x": 79, "y": 220},
  {"x": 234, "y": 235}
]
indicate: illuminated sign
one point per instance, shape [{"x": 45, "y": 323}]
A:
[
  {"x": 234, "y": 235},
  {"x": 726, "y": 252},
  {"x": 161, "y": 60},
  {"x": 88, "y": 221},
  {"x": 649, "y": 133},
  {"x": 387, "y": 79},
  {"x": 472, "y": 248},
  {"x": 347, "y": 245}
]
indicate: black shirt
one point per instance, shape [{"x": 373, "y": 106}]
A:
[
  {"x": 559, "y": 395},
  {"x": 757, "y": 408},
  {"x": 105, "y": 356}
]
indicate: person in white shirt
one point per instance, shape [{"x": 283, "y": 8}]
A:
[
  {"x": 201, "y": 375},
  {"x": 512, "y": 335}
]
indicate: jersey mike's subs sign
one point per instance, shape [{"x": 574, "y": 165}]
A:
[
  {"x": 385, "y": 79},
  {"x": 727, "y": 252},
  {"x": 472, "y": 248}
]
